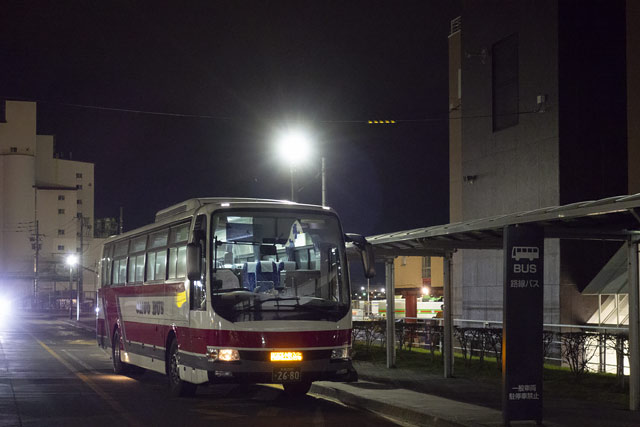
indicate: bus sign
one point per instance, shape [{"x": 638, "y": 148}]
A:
[{"x": 522, "y": 323}]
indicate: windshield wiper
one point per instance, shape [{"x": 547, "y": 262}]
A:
[
  {"x": 224, "y": 291},
  {"x": 305, "y": 307},
  {"x": 281, "y": 299}
]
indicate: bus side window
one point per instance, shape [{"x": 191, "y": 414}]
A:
[
  {"x": 198, "y": 300},
  {"x": 151, "y": 265},
  {"x": 106, "y": 265}
]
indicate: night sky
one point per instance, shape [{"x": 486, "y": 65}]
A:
[{"x": 245, "y": 69}]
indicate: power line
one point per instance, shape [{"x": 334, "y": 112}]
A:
[
  {"x": 440, "y": 117},
  {"x": 122, "y": 110}
]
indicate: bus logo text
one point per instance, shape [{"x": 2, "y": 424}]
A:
[{"x": 153, "y": 307}]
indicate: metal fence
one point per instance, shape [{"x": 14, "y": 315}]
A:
[{"x": 582, "y": 348}]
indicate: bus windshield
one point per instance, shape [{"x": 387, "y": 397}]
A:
[{"x": 268, "y": 266}]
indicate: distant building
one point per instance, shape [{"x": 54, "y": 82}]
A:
[
  {"x": 417, "y": 277},
  {"x": 105, "y": 227},
  {"x": 47, "y": 211},
  {"x": 544, "y": 106}
]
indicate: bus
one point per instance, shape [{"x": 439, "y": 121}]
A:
[{"x": 231, "y": 291}]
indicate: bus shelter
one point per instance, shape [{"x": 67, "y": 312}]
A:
[{"x": 610, "y": 219}]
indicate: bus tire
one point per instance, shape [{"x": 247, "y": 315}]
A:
[
  {"x": 177, "y": 387},
  {"x": 119, "y": 367},
  {"x": 296, "y": 389}
]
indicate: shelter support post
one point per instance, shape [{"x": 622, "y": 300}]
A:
[
  {"x": 447, "y": 311},
  {"x": 634, "y": 327},
  {"x": 391, "y": 311}
]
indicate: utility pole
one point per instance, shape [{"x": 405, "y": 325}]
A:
[
  {"x": 36, "y": 239},
  {"x": 120, "y": 224}
]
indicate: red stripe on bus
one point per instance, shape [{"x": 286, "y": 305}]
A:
[{"x": 197, "y": 340}]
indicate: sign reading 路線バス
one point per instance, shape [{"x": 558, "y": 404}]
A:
[{"x": 523, "y": 317}]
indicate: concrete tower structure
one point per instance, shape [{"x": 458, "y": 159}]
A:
[
  {"x": 540, "y": 116},
  {"x": 46, "y": 210},
  {"x": 17, "y": 179}
]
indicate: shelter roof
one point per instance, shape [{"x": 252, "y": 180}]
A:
[{"x": 613, "y": 218}]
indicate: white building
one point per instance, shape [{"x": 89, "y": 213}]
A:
[{"x": 45, "y": 200}]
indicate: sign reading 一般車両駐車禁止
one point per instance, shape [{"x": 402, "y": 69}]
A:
[{"x": 522, "y": 323}]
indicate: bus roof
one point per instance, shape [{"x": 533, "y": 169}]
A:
[
  {"x": 192, "y": 204},
  {"x": 186, "y": 208}
]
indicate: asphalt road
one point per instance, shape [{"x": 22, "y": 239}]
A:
[{"x": 53, "y": 374}]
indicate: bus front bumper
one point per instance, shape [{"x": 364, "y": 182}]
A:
[
  {"x": 260, "y": 371},
  {"x": 341, "y": 371}
]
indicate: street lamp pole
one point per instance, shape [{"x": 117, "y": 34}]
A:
[
  {"x": 324, "y": 183},
  {"x": 70, "y": 289},
  {"x": 71, "y": 261},
  {"x": 292, "y": 192},
  {"x": 78, "y": 296}
]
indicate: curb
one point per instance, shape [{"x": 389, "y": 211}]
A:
[{"x": 404, "y": 414}]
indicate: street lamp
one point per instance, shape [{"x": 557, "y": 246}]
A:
[
  {"x": 72, "y": 260},
  {"x": 294, "y": 146}
]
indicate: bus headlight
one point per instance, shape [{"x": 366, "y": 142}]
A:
[
  {"x": 223, "y": 354},
  {"x": 340, "y": 353},
  {"x": 228, "y": 355}
]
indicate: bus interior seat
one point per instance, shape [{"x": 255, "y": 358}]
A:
[
  {"x": 263, "y": 286},
  {"x": 266, "y": 271},
  {"x": 285, "y": 267},
  {"x": 249, "y": 275}
]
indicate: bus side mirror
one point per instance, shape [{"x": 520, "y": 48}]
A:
[
  {"x": 366, "y": 253},
  {"x": 368, "y": 261},
  {"x": 194, "y": 255}
]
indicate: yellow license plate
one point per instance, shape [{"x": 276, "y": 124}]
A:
[{"x": 286, "y": 356}]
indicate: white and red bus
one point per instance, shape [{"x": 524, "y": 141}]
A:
[{"x": 231, "y": 290}]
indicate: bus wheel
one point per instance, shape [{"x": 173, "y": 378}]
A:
[
  {"x": 297, "y": 389},
  {"x": 119, "y": 367},
  {"x": 177, "y": 387}
]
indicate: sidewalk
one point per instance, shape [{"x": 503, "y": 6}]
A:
[
  {"x": 408, "y": 406},
  {"x": 423, "y": 399},
  {"x": 428, "y": 400}
]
